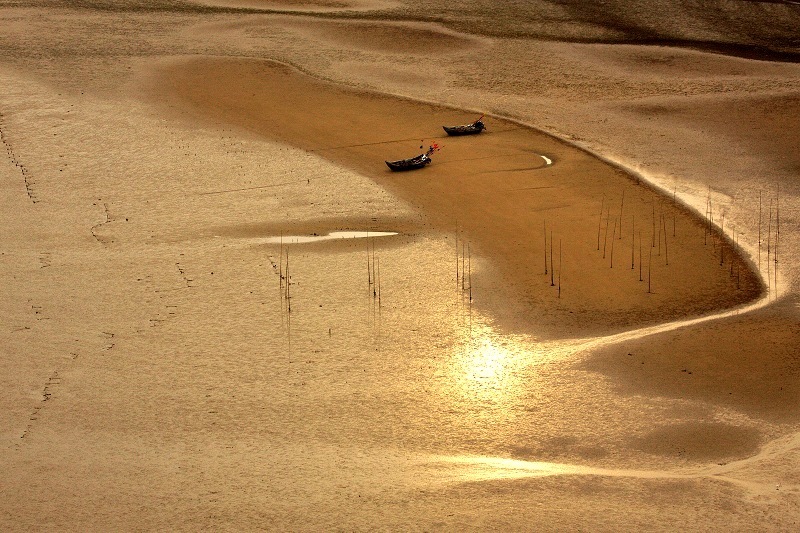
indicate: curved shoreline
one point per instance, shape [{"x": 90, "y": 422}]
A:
[
  {"x": 648, "y": 179},
  {"x": 760, "y": 302},
  {"x": 478, "y": 195}
]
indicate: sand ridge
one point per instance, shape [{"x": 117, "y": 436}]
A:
[{"x": 401, "y": 38}]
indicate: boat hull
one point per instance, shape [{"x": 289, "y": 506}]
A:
[
  {"x": 466, "y": 129},
  {"x": 409, "y": 164}
]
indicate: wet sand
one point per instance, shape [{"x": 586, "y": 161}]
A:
[
  {"x": 533, "y": 204},
  {"x": 154, "y": 377}
]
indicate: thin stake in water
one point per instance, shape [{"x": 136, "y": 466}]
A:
[
  {"x": 759, "y": 231},
  {"x": 769, "y": 230},
  {"x": 469, "y": 267},
  {"x": 738, "y": 285},
  {"x": 614, "y": 234},
  {"x": 653, "y": 245},
  {"x": 599, "y": 222},
  {"x": 735, "y": 258},
  {"x": 777, "y": 222},
  {"x": 769, "y": 237},
  {"x": 288, "y": 281},
  {"x": 552, "y": 284},
  {"x": 710, "y": 215},
  {"x": 674, "y": 218},
  {"x": 374, "y": 280},
  {"x": 711, "y": 223},
  {"x": 463, "y": 261},
  {"x": 633, "y": 237},
  {"x": 640, "y": 255},
  {"x": 545, "y": 246},
  {"x": 559, "y": 268},
  {"x": 660, "y": 225},
  {"x": 456, "y": 253}
]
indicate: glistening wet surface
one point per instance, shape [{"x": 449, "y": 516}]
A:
[
  {"x": 334, "y": 235},
  {"x": 487, "y": 177}
]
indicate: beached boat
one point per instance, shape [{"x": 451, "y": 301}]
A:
[
  {"x": 409, "y": 164},
  {"x": 413, "y": 162},
  {"x": 466, "y": 129}
]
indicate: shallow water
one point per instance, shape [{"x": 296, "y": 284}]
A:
[{"x": 334, "y": 235}]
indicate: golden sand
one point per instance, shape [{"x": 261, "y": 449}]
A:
[{"x": 153, "y": 376}]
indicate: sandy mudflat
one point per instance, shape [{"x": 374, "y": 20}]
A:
[
  {"x": 504, "y": 192},
  {"x": 154, "y": 377}
]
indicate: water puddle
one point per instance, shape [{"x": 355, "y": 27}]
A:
[{"x": 334, "y": 235}]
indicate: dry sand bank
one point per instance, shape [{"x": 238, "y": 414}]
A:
[
  {"x": 500, "y": 194},
  {"x": 725, "y": 28},
  {"x": 748, "y": 363}
]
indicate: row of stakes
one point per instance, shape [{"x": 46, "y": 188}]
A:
[
  {"x": 463, "y": 272},
  {"x": 661, "y": 224},
  {"x": 373, "y": 273},
  {"x": 464, "y": 258}
]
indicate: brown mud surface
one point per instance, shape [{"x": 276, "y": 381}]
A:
[{"x": 644, "y": 260}]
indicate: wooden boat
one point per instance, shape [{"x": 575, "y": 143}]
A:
[
  {"x": 414, "y": 162},
  {"x": 409, "y": 164},
  {"x": 466, "y": 129}
]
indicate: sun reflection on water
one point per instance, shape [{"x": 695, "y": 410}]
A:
[
  {"x": 462, "y": 468},
  {"x": 486, "y": 373},
  {"x": 491, "y": 378}
]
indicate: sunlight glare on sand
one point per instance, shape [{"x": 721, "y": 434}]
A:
[
  {"x": 486, "y": 370},
  {"x": 482, "y": 468},
  {"x": 476, "y": 468},
  {"x": 489, "y": 373},
  {"x": 303, "y": 239}
]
